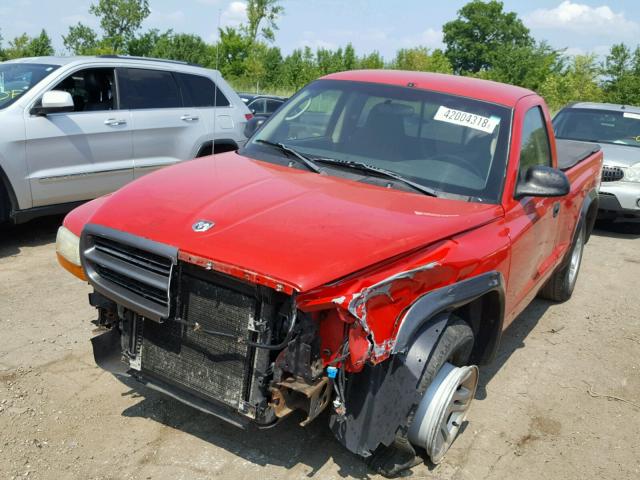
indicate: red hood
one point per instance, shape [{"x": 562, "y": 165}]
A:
[{"x": 295, "y": 226}]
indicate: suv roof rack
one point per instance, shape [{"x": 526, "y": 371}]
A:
[{"x": 149, "y": 59}]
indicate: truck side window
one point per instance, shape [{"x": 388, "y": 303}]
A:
[{"x": 535, "y": 141}]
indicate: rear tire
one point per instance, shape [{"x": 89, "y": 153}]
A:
[{"x": 560, "y": 286}]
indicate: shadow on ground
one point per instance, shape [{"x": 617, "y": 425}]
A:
[
  {"x": 512, "y": 340},
  {"x": 31, "y": 234},
  {"x": 624, "y": 230},
  {"x": 285, "y": 445}
]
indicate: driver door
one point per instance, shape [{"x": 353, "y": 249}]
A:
[
  {"x": 532, "y": 219},
  {"x": 80, "y": 155}
]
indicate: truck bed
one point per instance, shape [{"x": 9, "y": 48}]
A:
[{"x": 572, "y": 152}]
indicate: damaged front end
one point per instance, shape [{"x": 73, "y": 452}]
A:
[
  {"x": 249, "y": 349},
  {"x": 238, "y": 350}
]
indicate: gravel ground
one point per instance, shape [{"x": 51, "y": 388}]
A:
[{"x": 562, "y": 400}]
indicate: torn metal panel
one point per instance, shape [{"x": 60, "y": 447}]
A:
[{"x": 358, "y": 303}]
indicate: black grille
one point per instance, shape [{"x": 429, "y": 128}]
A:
[
  {"x": 130, "y": 270},
  {"x": 212, "y": 367},
  {"x": 612, "y": 174}
]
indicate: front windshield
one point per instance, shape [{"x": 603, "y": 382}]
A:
[
  {"x": 18, "y": 78},
  {"x": 454, "y": 145},
  {"x": 601, "y": 126}
]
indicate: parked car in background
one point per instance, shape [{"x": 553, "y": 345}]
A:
[
  {"x": 262, "y": 105},
  {"x": 616, "y": 128},
  {"x": 363, "y": 253},
  {"x": 75, "y": 128}
]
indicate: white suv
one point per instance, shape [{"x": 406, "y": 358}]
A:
[{"x": 75, "y": 128}]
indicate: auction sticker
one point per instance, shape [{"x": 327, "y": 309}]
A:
[{"x": 466, "y": 119}]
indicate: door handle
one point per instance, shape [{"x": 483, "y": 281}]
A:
[
  {"x": 112, "y": 122},
  {"x": 189, "y": 118},
  {"x": 556, "y": 209}
]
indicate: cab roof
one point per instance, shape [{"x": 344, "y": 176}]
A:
[{"x": 486, "y": 90}]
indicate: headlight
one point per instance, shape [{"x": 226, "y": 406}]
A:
[
  {"x": 68, "y": 251},
  {"x": 632, "y": 174}
]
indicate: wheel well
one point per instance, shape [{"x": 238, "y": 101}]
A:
[
  {"x": 7, "y": 198},
  {"x": 221, "y": 146},
  {"x": 590, "y": 219},
  {"x": 485, "y": 317}
]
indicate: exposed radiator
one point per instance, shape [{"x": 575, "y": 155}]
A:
[{"x": 212, "y": 367}]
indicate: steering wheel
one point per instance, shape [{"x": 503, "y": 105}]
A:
[
  {"x": 463, "y": 162},
  {"x": 304, "y": 108}
]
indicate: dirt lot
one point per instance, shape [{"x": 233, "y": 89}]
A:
[{"x": 542, "y": 410}]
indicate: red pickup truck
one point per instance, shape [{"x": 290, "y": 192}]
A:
[{"x": 364, "y": 252}]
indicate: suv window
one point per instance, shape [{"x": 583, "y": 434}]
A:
[
  {"x": 200, "y": 91},
  {"x": 142, "y": 88},
  {"x": 257, "y": 106},
  {"x": 535, "y": 141},
  {"x": 18, "y": 78},
  {"x": 273, "y": 105},
  {"x": 92, "y": 89}
]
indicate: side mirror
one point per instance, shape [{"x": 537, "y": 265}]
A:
[
  {"x": 253, "y": 125},
  {"x": 55, "y": 101},
  {"x": 541, "y": 181}
]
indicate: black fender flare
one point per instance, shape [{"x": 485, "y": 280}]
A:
[
  {"x": 590, "y": 199},
  {"x": 379, "y": 399},
  {"x": 449, "y": 298}
]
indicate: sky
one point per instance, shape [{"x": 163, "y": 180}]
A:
[{"x": 580, "y": 26}]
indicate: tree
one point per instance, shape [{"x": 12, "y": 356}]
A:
[
  {"x": 527, "y": 66},
  {"x": 259, "y": 11},
  {"x": 41, "y": 46},
  {"x": 25, "y": 46},
  {"x": 420, "y": 59},
  {"x": 480, "y": 29},
  {"x": 577, "y": 81},
  {"x": 349, "y": 59},
  {"x": 329, "y": 61},
  {"x": 145, "y": 44},
  {"x": 2, "y": 54},
  {"x": 81, "y": 40},
  {"x": 371, "y": 61},
  {"x": 299, "y": 68},
  {"x": 233, "y": 50},
  {"x": 120, "y": 20},
  {"x": 273, "y": 65},
  {"x": 184, "y": 47},
  {"x": 621, "y": 69}
]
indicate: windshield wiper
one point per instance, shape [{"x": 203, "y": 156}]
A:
[
  {"x": 380, "y": 171},
  {"x": 310, "y": 164}
]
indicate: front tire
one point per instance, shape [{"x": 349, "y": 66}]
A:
[
  {"x": 449, "y": 386},
  {"x": 560, "y": 286}
]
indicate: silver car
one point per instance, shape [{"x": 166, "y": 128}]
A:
[
  {"x": 75, "y": 128},
  {"x": 617, "y": 129}
]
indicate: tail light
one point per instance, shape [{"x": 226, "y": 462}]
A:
[{"x": 248, "y": 116}]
